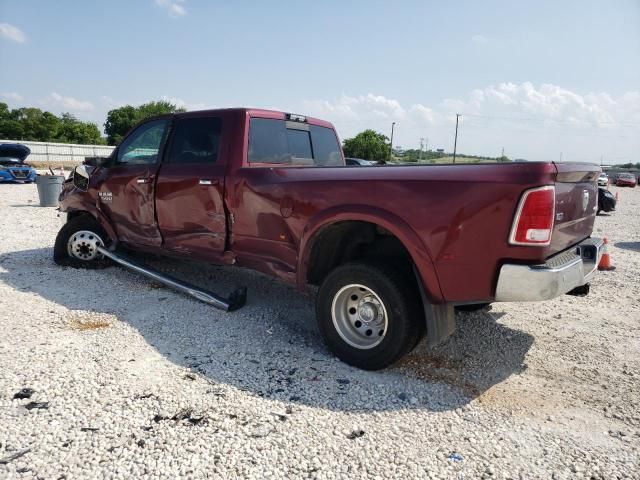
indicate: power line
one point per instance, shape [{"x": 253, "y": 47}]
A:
[
  {"x": 548, "y": 132},
  {"x": 630, "y": 124}
]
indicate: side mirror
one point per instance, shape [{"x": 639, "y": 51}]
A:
[
  {"x": 81, "y": 175},
  {"x": 97, "y": 161}
]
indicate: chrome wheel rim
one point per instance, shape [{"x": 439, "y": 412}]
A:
[
  {"x": 359, "y": 316},
  {"x": 83, "y": 245}
]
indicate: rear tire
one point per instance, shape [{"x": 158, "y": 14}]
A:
[
  {"x": 369, "y": 316},
  {"x": 76, "y": 242}
]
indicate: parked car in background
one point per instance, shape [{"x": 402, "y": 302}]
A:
[
  {"x": 603, "y": 180},
  {"x": 12, "y": 166},
  {"x": 626, "y": 180},
  {"x": 606, "y": 201},
  {"x": 361, "y": 162}
]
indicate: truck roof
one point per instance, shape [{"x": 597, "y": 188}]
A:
[{"x": 261, "y": 113}]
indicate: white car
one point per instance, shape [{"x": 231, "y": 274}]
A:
[{"x": 603, "y": 180}]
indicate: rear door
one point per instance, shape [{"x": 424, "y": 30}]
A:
[
  {"x": 576, "y": 204},
  {"x": 127, "y": 191},
  {"x": 190, "y": 188}
]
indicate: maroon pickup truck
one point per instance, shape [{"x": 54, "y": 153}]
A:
[{"x": 393, "y": 249}]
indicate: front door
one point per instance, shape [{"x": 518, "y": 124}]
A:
[
  {"x": 126, "y": 195},
  {"x": 190, "y": 189}
]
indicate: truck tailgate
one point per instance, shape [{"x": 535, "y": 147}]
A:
[{"x": 576, "y": 204}]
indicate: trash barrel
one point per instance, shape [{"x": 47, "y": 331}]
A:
[{"x": 49, "y": 188}]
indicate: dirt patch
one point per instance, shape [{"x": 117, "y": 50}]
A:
[
  {"x": 83, "y": 320},
  {"x": 439, "y": 368}
]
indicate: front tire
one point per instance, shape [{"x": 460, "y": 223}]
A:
[
  {"x": 369, "y": 316},
  {"x": 76, "y": 243}
]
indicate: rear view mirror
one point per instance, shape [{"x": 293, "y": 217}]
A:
[{"x": 81, "y": 176}]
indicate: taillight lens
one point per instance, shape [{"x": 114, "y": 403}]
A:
[{"x": 533, "y": 223}]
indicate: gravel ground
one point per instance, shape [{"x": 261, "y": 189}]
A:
[{"x": 130, "y": 379}]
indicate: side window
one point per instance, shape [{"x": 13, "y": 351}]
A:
[
  {"x": 268, "y": 141},
  {"x": 326, "y": 149},
  {"x": 143, "y": 145},
  {"x": 291, "y": 143},
  {"x": 195, "y": 140}
]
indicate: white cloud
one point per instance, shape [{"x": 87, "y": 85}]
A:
[
  {"x": 180, "y": 103},
  {"x": 12, "y": 33},
  {"x": 479, "y": 39},
  {"x": 71, "y": 103},
  {"x": 174, "y": 8},
  {"x": 111, "y": 102},
  {"x": 12, "y": 96},
  {"x": 370, "y": 107},
  {"x": 534, "y": 122},
  {"x": 548, "y": 102}
]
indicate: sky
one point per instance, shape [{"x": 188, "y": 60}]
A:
[{"x": 543, "y": 80}]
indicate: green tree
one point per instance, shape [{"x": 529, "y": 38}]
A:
[
  {"x": 34, "y": 124},
  {"x": 72, "y": 130},
  {"x": 10, "y": 127},
  {"x": 369, "y": 145},
  {"x": 121, "y": 120}
]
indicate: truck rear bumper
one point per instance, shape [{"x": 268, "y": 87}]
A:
[{"x": 558, "y": 275}]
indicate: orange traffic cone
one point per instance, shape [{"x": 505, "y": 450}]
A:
[{"x": 605, "y": 261}]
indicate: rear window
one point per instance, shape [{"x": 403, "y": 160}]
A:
[{"x": 292, "y": 143}]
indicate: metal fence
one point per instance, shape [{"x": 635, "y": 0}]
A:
[{"x": 62, "y": 153}]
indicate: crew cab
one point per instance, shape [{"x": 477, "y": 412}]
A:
[{"x": 392, "y": 250}]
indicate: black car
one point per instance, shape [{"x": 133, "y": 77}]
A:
[{"x": 606, "y": 201}]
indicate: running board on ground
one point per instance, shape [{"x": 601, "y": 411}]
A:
[{"x": 236, "y": 300}]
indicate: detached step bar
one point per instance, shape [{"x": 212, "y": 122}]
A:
[{"x": 236, "y": 300}]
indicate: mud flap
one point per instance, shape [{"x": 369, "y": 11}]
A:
[{"x": 440, "y": 318}]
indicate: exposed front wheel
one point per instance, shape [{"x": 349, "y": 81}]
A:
[
  {"x": 369, "y": 315},
  {"x": 77, "y": 242}
]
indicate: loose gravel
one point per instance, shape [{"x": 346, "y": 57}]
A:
[{"x": 104, "y": 374}]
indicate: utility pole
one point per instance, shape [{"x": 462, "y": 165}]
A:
[
  {"x": 502, "y": 156},
  {"x": 560, "y": 157},
  {"x": 455, "y": 142},
  {"x": 421, "y": 144},
  {"x": 391, "y": 142}
]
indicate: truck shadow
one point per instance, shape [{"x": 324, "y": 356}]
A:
[
  {"x": 633, "y": 246},
  {"x": 271, "y": 348}
]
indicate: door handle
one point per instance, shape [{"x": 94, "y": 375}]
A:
[
  {"x": 208, "y": 181},
  {"x": 143, "y": 180}
]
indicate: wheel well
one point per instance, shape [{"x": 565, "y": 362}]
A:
[
  {"x": 71, "y": 214},
  {"x": 353, "y": 240}
]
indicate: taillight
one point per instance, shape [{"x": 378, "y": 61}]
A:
[{"x": 533, "y": 223}]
